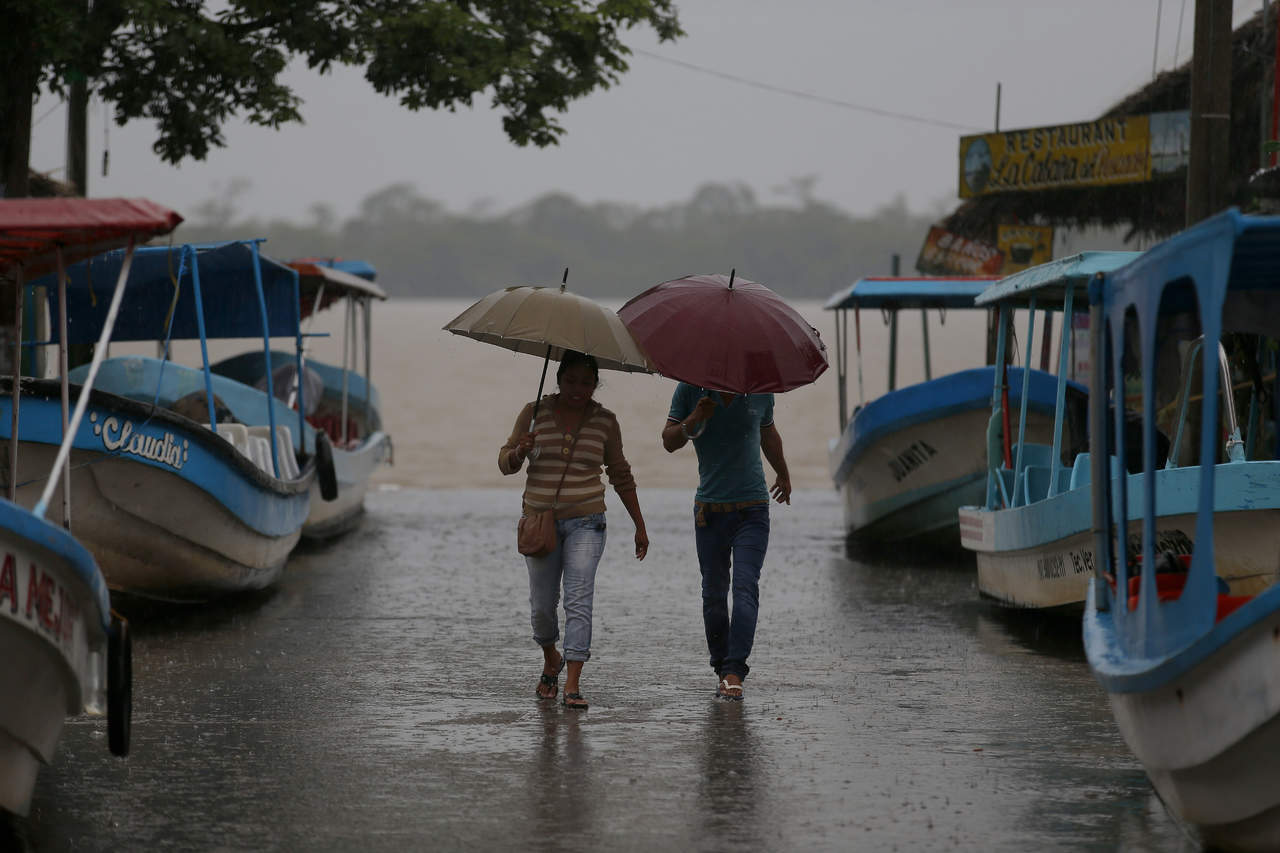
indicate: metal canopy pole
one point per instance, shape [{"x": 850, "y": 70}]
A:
[
  {"x": 893, "y": 350},
  {"x": 1060, "y": 401},
  {"x": 64, "y": 451},
  {"x": 17, "y": 383},
  {"x": 300, "y": 363},
  {"x": 266, "y": 354},
  {"x": 62, "y": 373},
  {"x": 1026, "y": 392},
  {"x": 366, "y": 308},
  {"x": 857, "y": 331},
  {"x": 348, "y": 346},
  {"x": 924, "y": 331},
  {"x": 842, "y": 358},
  {"x": 204, "y": 343}
]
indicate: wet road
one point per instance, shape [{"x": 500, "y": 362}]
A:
[{"x": 381, "y": 698}]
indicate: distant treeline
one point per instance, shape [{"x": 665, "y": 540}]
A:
[{"x": 807, "y": 249}]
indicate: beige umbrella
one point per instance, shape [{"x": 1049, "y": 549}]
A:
[{"x": 546, "y": 321}]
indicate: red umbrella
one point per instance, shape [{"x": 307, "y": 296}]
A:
[{"x": 725, "y": 334}]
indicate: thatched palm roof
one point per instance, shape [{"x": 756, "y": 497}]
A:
[
  {"x": 1157, "y": 208},
  {"x": 43, "y": 186}
]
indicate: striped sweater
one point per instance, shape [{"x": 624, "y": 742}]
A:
[{"x": 599, "y": 446}]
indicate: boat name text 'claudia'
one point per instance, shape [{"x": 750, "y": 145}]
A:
[
  {"x": 118, "y": 435},
  {"x": 910, "y": 459},
  {"x": 47, "y": 605}
]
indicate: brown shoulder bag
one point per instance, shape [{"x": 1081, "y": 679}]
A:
[{"x": 536, "y": 534}]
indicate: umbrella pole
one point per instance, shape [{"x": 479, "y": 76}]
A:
[
  {"x": 564, "y": 280},
  {"x": 538, "y": 399}
]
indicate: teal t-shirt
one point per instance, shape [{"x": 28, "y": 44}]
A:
[{"x": 729, "y": 465}]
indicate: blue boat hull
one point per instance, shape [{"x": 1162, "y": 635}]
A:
[
  {"x": 909, "y": 459},
  {"x": 1199, "y": 719},
  {"x": 168, "y": 508},
  {"x": 1041, "y": 555},
  {"x": 54, "y": 618}
]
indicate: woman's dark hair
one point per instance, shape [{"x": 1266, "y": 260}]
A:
[{"x": 572, "y": 358}]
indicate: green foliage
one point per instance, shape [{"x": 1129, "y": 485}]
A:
[
  {"x": 191, "y": 66},
  {"x": 805, "y": 250}
]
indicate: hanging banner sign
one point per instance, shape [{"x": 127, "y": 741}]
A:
[
  {"x": 945, "y": 253},
  {"x": 1122, "y": 150},
  {"x": 1024, "y": 246}
]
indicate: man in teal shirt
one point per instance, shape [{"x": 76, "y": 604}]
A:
[{"x": 731, "y": 513}]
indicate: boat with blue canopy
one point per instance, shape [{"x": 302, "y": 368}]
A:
[
  {"x": 1188, "y": 654},
  {"x": 65, "y": 651},
  {"x": 907, "y": 460},
  {"x": 341, "y": 401},
  {"x": 192, "y": 485},
  {"x": 1029, "y": 527},
  {"x": 1032, "y": 536}
]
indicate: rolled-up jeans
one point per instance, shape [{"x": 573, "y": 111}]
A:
[
  {"x": 731, "y": 547},
  {"x": 573, "y": 563}
]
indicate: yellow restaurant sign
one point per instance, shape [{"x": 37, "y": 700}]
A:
[
  {"x": 1024, "y": 246},
  {"x": 1089, "y": 154}
]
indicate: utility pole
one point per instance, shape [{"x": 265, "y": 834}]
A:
[{"x": 1210, "y": 110}]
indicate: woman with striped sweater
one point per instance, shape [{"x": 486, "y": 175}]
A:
[{"x": 573, "y": 439}]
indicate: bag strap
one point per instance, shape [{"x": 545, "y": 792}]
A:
[{"x": 588, "y": 415}]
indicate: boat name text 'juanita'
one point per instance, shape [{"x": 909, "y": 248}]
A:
[
  {"x": 47, "y": 604},
  {"x": 1075, "y": 562},
  {"x": 119, "y": 435},
  {"x": 910, "y": 459}
]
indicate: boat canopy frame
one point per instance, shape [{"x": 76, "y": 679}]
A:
[
  {"x": 891, "y": 294},
  {"x": 39, "y": 235},
  {"x": 1228, "y": 263},
  {"x": 1053, "y": 287},
  {"x": 248, "y": 295},
  {"x": 351, "y": 282}
]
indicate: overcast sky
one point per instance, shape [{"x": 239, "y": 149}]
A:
[{"x": 668, "y": 127}]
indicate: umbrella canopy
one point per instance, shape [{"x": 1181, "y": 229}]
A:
[
  {"x": 725, "y": 334},
  {"x": 546, "y": 321}
]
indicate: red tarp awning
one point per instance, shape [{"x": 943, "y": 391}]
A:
[{"x": 32, "y": 228}]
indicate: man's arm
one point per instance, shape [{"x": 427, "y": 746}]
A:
[
  {"x": 676, "y": 433},
  {"x": 771, "y": 446}
]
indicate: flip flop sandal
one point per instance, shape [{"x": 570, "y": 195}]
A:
[
  {"x": 732, "y": 692},
  {"x": 574, "y": 702},
  {"x": 552, "y": 681}
]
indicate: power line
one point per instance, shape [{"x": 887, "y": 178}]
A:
[
  {"x": 46, "y": 114},
  {"x": 808, "y": 96}
]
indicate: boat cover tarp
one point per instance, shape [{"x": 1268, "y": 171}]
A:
[
  {"x": 337, "y": 284},
  {"x": 360, "y": 269},
  {"x": 31, "y": 229},
  {"x": 230, "y": 299},
  {"x": 896, "y": 292}
]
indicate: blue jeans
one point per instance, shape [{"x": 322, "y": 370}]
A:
[
  {"x": 574, "y": 563},
  {"x": 731, "y": 548}
]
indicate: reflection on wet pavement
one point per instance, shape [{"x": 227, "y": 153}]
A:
[{"x": 382, "y": 698}]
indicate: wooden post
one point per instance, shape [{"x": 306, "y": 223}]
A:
[
  {"x": 1210, "y": 110},
  {"x": 78, "y": 135}
]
